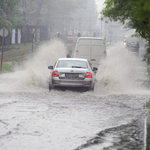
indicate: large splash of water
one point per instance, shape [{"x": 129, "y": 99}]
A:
[
  {"x": 121, "y": 71},
  {"x": 35, "y": 73}
]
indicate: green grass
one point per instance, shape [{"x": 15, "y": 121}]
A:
[
  {"x": 10, "y": 66},
  {"x": 148, "y": 104},
  {"x": 16, "y": 55},
  {"x": 7, "y": 68}
]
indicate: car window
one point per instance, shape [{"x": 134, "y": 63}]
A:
[{"x": 71, "y": 64}]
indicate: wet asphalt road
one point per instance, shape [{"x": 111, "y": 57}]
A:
[{"x": 69, "y": 120}]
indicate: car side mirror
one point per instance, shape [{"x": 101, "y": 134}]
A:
[
  {"x": 95, "y": 69},
  {"x": 50, "y": 67}
]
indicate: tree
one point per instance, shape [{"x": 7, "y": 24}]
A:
[
  {"x": 59, "y": 15},
  {"x": 8, "y": 14},
  {"x": 137, "y": 13},
  {"x": 44, "y": 10}
]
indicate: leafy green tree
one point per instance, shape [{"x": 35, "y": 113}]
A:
[
  {"x": 8, "y": 13},
  {"x": 136, "y": 12}
]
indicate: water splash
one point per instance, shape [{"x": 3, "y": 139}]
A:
[
  {"x": 121, "y": 71},
  {"x": 35, "y": 73}
]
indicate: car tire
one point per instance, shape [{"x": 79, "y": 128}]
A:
[
  {"x": 92, "y": 89},
  {"x": 86, "y": 89},
  {"x": 50, "y": 87}
]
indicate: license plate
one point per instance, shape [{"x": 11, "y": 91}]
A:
[{"x": 71, "y": 75}]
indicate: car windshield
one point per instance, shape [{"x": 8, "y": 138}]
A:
[{"x": 71, "y": 64}]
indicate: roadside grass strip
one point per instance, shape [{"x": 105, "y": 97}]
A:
[{"x": 148, "y": 104}]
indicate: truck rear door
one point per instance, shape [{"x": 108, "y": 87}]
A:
[
  {"x": 83, "y": 49},
  {"x": 97, "y": 51}
]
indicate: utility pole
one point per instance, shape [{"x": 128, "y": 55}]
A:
[
  {"x": 110, "y": 31},
  {"x": 2, "y": 49},
  {"x": 24, "y": 17},
  {"x": 90, "y": 21},
  {"x": 3, "y": 33},
  {"x": 80, "y": 21},
  {"x": 105, "y": 30},
  {"x": 101, "y": 26}
]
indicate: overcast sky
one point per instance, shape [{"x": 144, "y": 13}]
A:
[{"x": 100, "y": 4}]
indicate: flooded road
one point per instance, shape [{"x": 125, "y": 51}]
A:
[{"x": 111, "y": 117}]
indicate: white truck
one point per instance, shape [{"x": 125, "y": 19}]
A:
[{"x": 91, "y": 48}]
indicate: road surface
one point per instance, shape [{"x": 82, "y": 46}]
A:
[{"x": 111, "y": 117}]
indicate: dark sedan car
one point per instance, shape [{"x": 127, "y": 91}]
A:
[{"x": 72, "y": 72}]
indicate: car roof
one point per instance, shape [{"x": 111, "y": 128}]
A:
[{"x": 81, "y": 59}]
